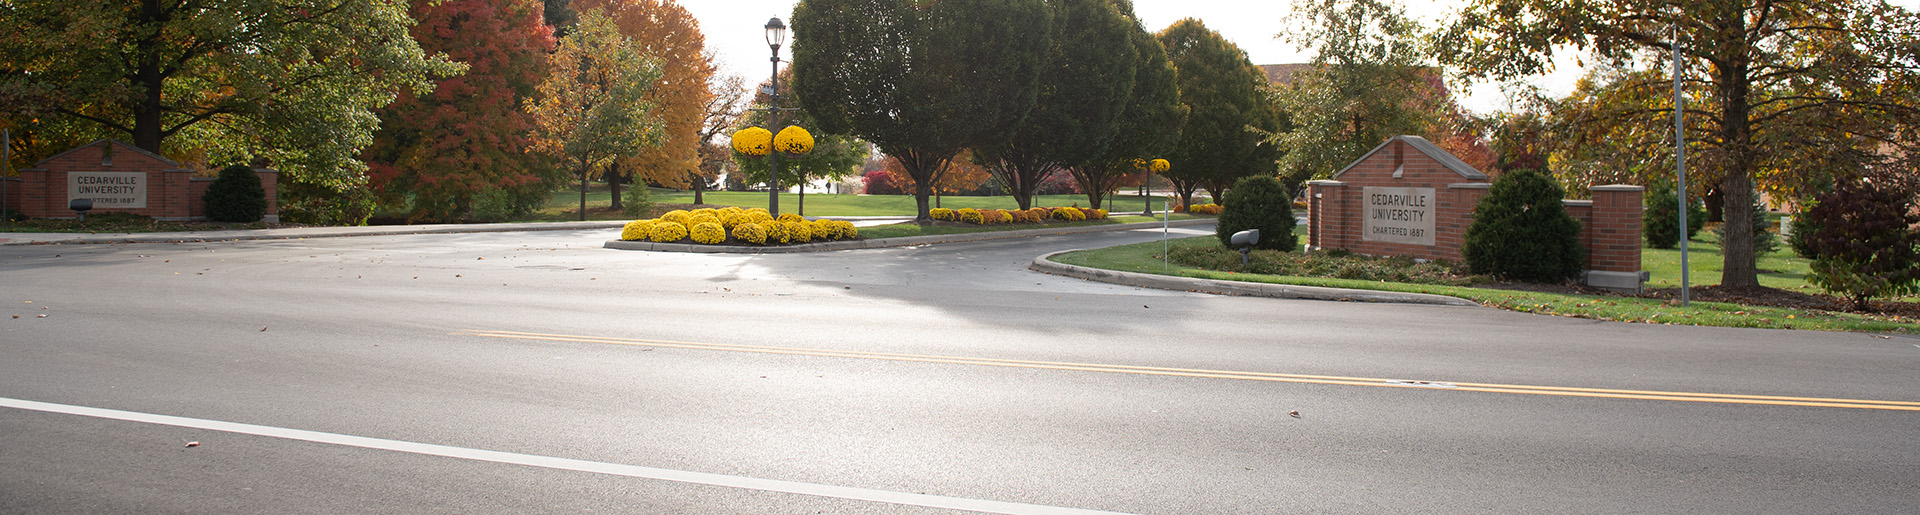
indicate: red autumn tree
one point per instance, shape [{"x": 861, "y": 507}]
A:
[{"x": 470, "y": 135}]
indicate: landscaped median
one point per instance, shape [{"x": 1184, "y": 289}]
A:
[
  {"x": 939, "y": 234},
  {"x": 1143, "y": 264}
]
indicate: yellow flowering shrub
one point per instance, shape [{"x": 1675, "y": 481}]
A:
[
  {"x": 702, "y": 218},
  {"x": 798, "y": 232},
  {"x": 704, "y": 211},
  {"x": 970, "y": 215},
  {"x": 731, "y": 220},
  {"x": 677, "y": 215},
  {"x": 1205, "y": 209},
  {"x": 760, "y": 210},
  {"x": 941, "y": 214},
  {"x": 708, "y": 233},
  {"x": 776, "y": 232},
  {"x": 790, "y": 217},
  {"x": 759, "y": 217},
  {"x": 635, "y": 230},
  {"x": 793, "y": 140},
  {"x": 667, "y": 232},
  {"x": 1160, "y": 165},
  {"x": 1095, "y": 214},
  {"x": 750, "y": 233},
  {"x": 845, "y": 230},
  {"x": 1038, "y": 214},
  {"x": 753, "y": 141},
  {"x": 1068, "y": 214}
]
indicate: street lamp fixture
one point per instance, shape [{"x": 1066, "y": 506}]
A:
[{"x": 776, "y": 35}]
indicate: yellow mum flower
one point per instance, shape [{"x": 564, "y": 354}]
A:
[
  {"x": 793, "y": 140},
  {"x": 708, "y": 233},
  {"x": 754, "y": 141}
]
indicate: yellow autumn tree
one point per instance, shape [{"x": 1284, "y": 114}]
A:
[{"x": 666, "y": 33}]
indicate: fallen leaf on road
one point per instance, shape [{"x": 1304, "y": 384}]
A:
[
  {"x": 193, "y": 444},
  {"x": 263, "y": 328},
  {"x": 1294, "y": 413},
  {"x": 43, "y": 315}
]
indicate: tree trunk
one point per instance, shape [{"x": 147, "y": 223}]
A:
[
  {"x": 1715, "y": 203},
  {"x": 802, "y": 184},
  {"x": 1737, "y": 266},
  {"x": 583, "y": 189},
  {"x": 613, "y": 183},
  {"x": 699, "y": 185}
]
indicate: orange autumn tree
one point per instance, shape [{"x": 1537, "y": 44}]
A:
[{"x": 667, "y": 33}]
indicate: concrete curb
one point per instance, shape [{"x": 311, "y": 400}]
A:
[
  {"x": 891, "y": 242},
  {"x": 1045, "y": 264},
  {"x": 295, "y": 233}
]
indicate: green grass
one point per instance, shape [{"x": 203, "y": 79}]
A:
[
  {"x": 1780, "y": 269},
  {"x": 1148, "y": 258},
  {"x": 901, "y": 230},
  {"x": 565, "y": 204}
]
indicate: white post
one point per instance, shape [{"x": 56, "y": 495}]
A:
[{"x": 1680, "y": 162}]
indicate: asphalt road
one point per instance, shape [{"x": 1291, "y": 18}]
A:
[{"x": 538, "y": 372}]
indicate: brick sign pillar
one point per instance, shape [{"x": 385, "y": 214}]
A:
[{"x": 1408, "y": 197}]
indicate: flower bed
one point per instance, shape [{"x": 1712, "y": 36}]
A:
[{"x": 736, "y": 226}]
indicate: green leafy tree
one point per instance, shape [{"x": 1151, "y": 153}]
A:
[
  {"x": 1774, "y": 83},
  {"x": 1150, "y": 125},
  {"x": 295, "y": 81},
  {"x": 1521, "y": 231},
  {"x": 437, "y": 152},
  {"x": 1084, "y": 88},
  {"x": 1865, "y": 242},
  {"x": 593, "y": 107},
  {"x": 922, "y": 79},
  {"x": 1369, "y": 81},
  {"x": 1259, "y": 202},
  {"x": 1221, "y": 90}
]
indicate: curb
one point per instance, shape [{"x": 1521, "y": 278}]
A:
[
  {"x": 907, "y": 241},
  {"x": 1044, "y": 264},
  {"x": 315, "y": 232}
]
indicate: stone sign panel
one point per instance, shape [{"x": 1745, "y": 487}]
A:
[
  {"x": 1398, "y": 215},
  {"x": 109, "y": 190}
]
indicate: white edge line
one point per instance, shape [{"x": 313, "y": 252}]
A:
[{"x": 682, "y": 476}]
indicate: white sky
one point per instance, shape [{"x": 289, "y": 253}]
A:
[{"x": 733, "y": 28}]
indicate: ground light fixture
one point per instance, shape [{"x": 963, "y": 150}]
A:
[{"x": 1245, "y": 240}]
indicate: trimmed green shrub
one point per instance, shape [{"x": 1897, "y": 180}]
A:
[
  {"x": 13, "y": 215},
  {"x": 1764, "y": 241},
  {"x": 236, "y": 196},
  {"x": 1866, "y": 243},
  {"x": 1662, "y": 223},
  {"x": 1521, "y": 231},
  {"x": 1262, "y": 203}
]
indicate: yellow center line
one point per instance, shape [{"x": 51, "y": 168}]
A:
[{"x": 1562, "y": 391}]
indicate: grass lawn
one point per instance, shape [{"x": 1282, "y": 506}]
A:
[
  {"x": 900, "y": 230},
  {"x": 1779, "y": 269},
  {"x": 565, "y": 204},
  {"x": 1148, "y": 258}
]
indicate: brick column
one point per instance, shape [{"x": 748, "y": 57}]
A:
[
  {"x": 1613, "y": 247},
  {"x": 270, "y": 181},
  {"x": 1326, "y": 215}
]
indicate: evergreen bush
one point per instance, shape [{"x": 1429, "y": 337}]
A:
[
  {"x": 1801, "y": 236},
  {"x": 1521, "y": 231},
  {"x": 1866, "y": 243},
  {"x": 638, "y": 201},
  {"x": 1662, "y": 222},
  {"x": 1259, "y": 202},
  {"x": 236, "y": 196}
]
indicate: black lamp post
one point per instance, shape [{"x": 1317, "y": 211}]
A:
[{"x": 776, "y": 36}]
